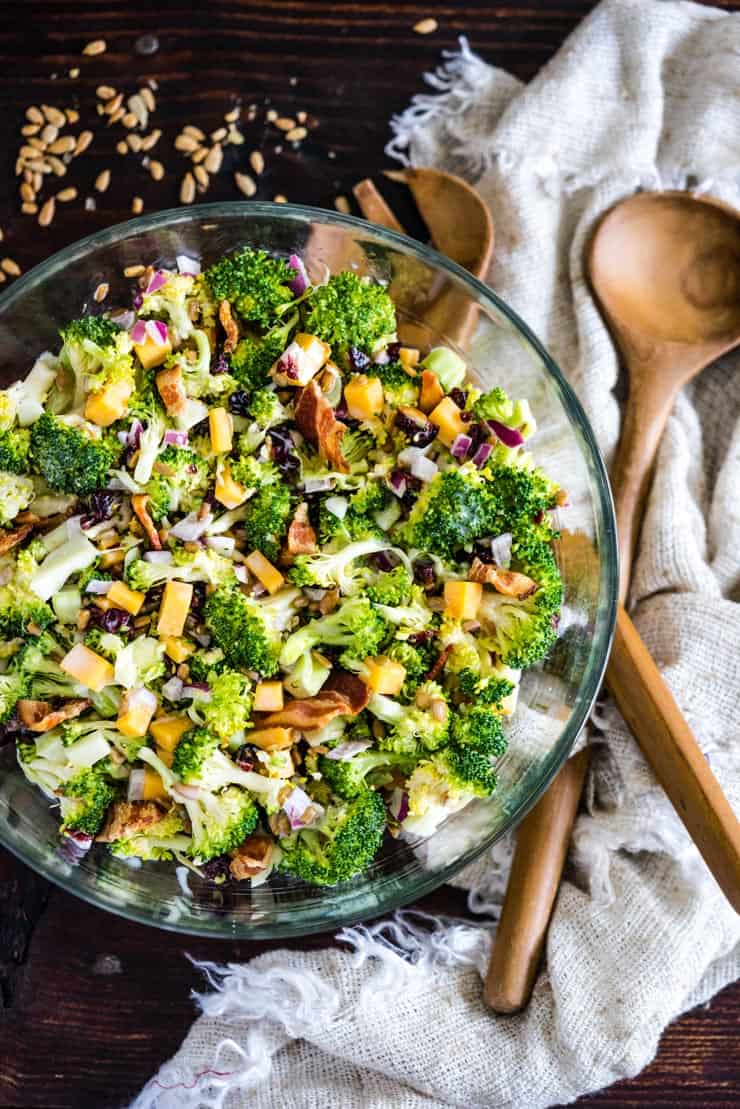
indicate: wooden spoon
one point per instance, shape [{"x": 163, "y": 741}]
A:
[{"x": 665, "y": 269}]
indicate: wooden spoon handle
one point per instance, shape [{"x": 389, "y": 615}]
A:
[
  {"x": 667, "y": 742},
  {"x": 541, "y": 848}
]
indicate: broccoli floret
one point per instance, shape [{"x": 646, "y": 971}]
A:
[
  {"x": 204, "y": 663},
  {"x": 15, "y": 446},
  {"x": 104, "y": 643},
  {"x": 91, "y": 329},
  {"x": 253, "y": 473},
  {"x": 180, "y": 482},
  {"x": 190, "y": 566},
  {"x": 349, "y": 311},
  {"x": 228, "y": 710},
  {"x": 220, "y": 821},
  {"x": 350, "y": 528},
  {"x": 435, "y": 792},
  {"x": 192, "y": 750},
  {"x": 412, "y": 729},
  {"x": 468, "y": 768},
  {"x": 21, "y": 610},
  {"x": 16, "y": 493},
  {"x": 13, "y": 686},
  {"x": 349, "y": 777},
  {"x": 452, "y": 511},
  {"x": 416, "y": 660},
  {"x": 70, "y": 460},
  {"x": 98, "y": 353},
  {"x": 92, "y": 573},
  {"x": 195, "y": 366},
  {"x": 490, "y": 689},
  {"x": 372, "y": 497},
  {"x": 398, "y": 386},
  {"x": 266, "y": 409},
  {"x": 392, "y": 588},
  {"x": 267, "y": 519},
  {"x": 478, "y": 726},
  {"x": 409, "y": 618},
  {"x": 497, "y": 405},
  {"x": 161, "y": 841},
  {"x": 344, "y": 844},
  {"x": 244, "y": 630},
  {"x": 256, "y": 284},
  {"x": 337, "y": 569},
  {"x": 354, "y": 625},
  {"x": 518, "y": 494},
  {"x": 84, "y": 801},
  {"x": 180, "y": 301}
]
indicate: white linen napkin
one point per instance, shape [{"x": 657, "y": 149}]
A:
[{"x": 644, "y": 94}]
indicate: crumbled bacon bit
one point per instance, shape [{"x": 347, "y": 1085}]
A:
[
  {"x": 11, "y": 539},
  {"x": 229, "y": 325},
  {"x": 128, "y": 817},
  {"x": 317, "y": 421},
  {"x": 138, "y": 503},
  {"x": 38, "y": 716},
  {"x": 439, "y": 664},
  {"x": 350, "y": 686},
  {"x": 252, "y": 857},
  {"x": 301, "y": 536}
]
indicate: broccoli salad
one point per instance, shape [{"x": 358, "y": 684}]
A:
[{"x": 268, "y": 577}]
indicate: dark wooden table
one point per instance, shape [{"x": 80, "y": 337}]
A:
[{"x": 90, "y": 1005}]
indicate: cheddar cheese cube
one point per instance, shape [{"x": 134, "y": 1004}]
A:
[
  {"x": 268, "y": 697},
  {"x": 462, "y": 599},
  {"x": 363, "y": 396},
  {"x": 167, "y": 757},
  {"x": 448, "y": 418},
  {"x": 228, "y": 492},
  {"x": 174, "y": 608},
  {"x": 109, "y": 405},
  {"x": 153, "y": 786},
  {"x": 273, "y": 739},
  {"x": 431, "y": 391},
  {"x": 383, "y": 675},
  {"x": 130, "y": 600},
  {"x": 152, "y": 354},
  {"x": 221, "y": 427},
  {"x": 178, "y": 649},
  {"x": 88, "y": 668},
  {"x": 137, "y": 709},
  {"x": 264, "y": 571},
  {"x": 168, "y": 730}
]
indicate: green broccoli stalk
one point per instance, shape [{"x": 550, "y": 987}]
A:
[
  {"x": 354, "y": 625},
  {"x": 72, "y": 459},
  {"x": 189, "y": 566},
  {"x": 344, "y": 844},
  {"x": 448, "y": 366},
  {"x": 349, "y": 777},
  {"x": 244, "y": 631},
  {"x": 164, "y": 840},
  {"x": 349, "y": 311},
  {"x": 256, "y": 285},
  {"x": 337, "y": 569}
]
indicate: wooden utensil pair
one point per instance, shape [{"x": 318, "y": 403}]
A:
[{"x": 665, "y": 269}]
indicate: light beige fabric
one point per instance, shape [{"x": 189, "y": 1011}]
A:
[{"x": 643, "y": 94}]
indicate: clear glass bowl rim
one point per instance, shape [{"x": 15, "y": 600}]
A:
[{"x": 424, "y": 882}]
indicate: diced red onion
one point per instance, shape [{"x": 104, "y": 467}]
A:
[
  {"x": 461, "y": 446},
  {"x": 157, "y": 331},
  {"x": 188, "y": 266},
  {"x": 501, "y": 550},
  {"x": 344, "y": 751},
  {"x": 509, "y": 436},
  {"x": 397, "y": 482},
  {"x": 337, "y": 506},
  {"x": 174, "y": 438},
  {"x": 417, "y": 461},
  {"x": 136, "y": 782},
  {"x": 138, "y": 332},
  {"x": 122, "y": 437},
  {"x": 296, "y": 804},
  {"x": 156, "y": 281},
  {"x": 318, "y": 484},
  {"x": 125, "y": 318},
  {"x": 172, "y": 689},
  {"x": 99, "y": 588},
  {"x": 190, "y": 528},
  {"x": 197, "y": 691},
  {"x": 190, "y": 793},
  {"x": 300, "y": 282},
  {"x": 482, "y": 455},
  {"x": 163, "y": 557},
  {"x": 399, "y": 805}
]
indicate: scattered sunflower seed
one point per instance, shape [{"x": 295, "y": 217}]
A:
[
  {"x": 37, "y": 144},
  {"x": 2, "y": 277},
  {"x": 187, "y": 189},
  {"x": 29, "y": 208},
  {"x": 33, "y": 115},
  {"x": 426, "y": 26},
  {"x": 114, "y": 104},
  {"x": 30, "y": 129},
  {"x": 301, "y": 116},
  {"x": 296, "y": 134},
  {"x": 58, "y": 167},
  {"x": 128, "y": 119},
  {"x": 105, "y": 92},
  {"x": 27, "y": 193},
  {"x": 147, "y": 96},
  {"x": 11, "y": 267},
  {"x": 219, "y": 134},
  {"x": 157, "y": 170},
  {"x": 195, "y": 132},
  {"x": 271, "y": 115},
  {"x": 232, "y": 116},
  {"x": 186, "y": 143},
  {"x": 97, "y": 46},
  {"x": 117, "y": 115},
  {"x": 67, "y": 194},
  {"x": 46, "y": 215},
  {"x": 134, "y": 271},
  {"x": 83, "y": 141},
  {"x": 257, "y": 162},
  {"x": 200, "y": 174},
  {"x": 284, "y": 123},
  {"x": 245, "y": 184},
  {"x": 49, "y": 134},
  {"x": 213, "y": 159},
  {"x": 53, "y": 115},
  {"x": 139, "y": 109},
  {"x": 235, "y": 136},
  {"x": 121, "y": 147},
  {"x": 64, "y": 145},
  {"x": 101, "y": 292},
  {"x": 72, "y": 115},
  {"x": 102, "y": 181},
  {"x": 280, "y": 199},
  {"x": 134, "y": 142},
  {"x": 137, "y": 205},
  {"x": 73, "y": 73},
  {"x": 150, "y": 140},
  {"x": 342, "y": 205}
]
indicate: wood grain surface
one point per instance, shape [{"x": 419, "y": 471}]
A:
[{"x": 90, "y": 1004}]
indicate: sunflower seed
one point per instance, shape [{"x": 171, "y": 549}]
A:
[
  {"x": 147, "y": 96},
  {"x": 137, "y": 205},
  {"x": 213, "y": 159},
  {"x": 67, "y": 194},
  {"x": 194, "y": 132},
  {"x": 33, "y": 115},
  {"x": 257, "y": 162},
  {"x": 29, "y": 208},
  {"x": 30, "y": 129},
  {"x": 342, "y": 205},
  {"x": 157, "y": 170},
  {"x": 114, "y": 104},
  {"x": 27, "y": 193},
  {"x": 426, "y": 26},
  {"x": 296, "y": 134},
  {"x": 116, "y": 116},
  {"x": 53, "y": 115},
  {"x": 105, "y": 92},
  {"x": 97, "y": 46},
  {"x": 134, "y": 271},
  {"x": 139, "y": 109},
  {"x": 46, "y": 215},
  {"x": 232, "y": 116},
  {"x": 199, "y": 154},
  {"x": 219, "y": 134},
  {"x": 187, "y": 189},
  {"x": 128, "y": 119},
  {"x": 134, "y": 142},
  {"x": 49, "y": 134},
  {"x": 280, "y": 199},
  {"x": 284, "y": 123},
  {"x": 121, "y": 147},
  {"x": 72, "y": 115},
  {"x": 65, "y": 145},
  {"x": 186, "y": 143},
  {"x": 245, "y": 184},
  {"x": 101, "y": 292},
  {"x": 235, "y": 136},
  {"x": 58, "y": 167},
  {"x": 83, "y": 141},
  {"x": 102, "y": 181},
  {"x": 74, "y": 73},
  {"x": 201, "y": 176},
  {"x": 150, "y": 140}
]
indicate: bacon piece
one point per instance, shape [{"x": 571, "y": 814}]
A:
[
  {"x": 311, "y": 712},
  {"x": 11, "y": 539},
  {"x": 229, "y": 325},
  {"x": 39, "y": 716},
  {"x": 138, "y": 503},
  {"x": 329, "y": 602},
  {"x": 171, "y": 388},
  {"x": 127, "y": 818},
  {"x": 508, "y": 582},
  {"x": 317, "y": 422},
  {"x": 301, "y": 536},
  {"x": 484, "y": 572},
  {"x": 251, "y": 857},
  {"x": 439, "y": 664},
  {"x": 350, "y": 686}
]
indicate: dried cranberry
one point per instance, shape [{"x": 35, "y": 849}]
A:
[
  {"x": 479, "y": 433},
  {"x": 413, "y": 488},
  {"x": 459, "y": 396},
  {"x": 216, "y": 870},
  {"x": 221, "y": 364},
  {"x": 393, "y": 350},
  {"x": 419, "y": 432},
  {"x": 424, "y": 572},
  {"x": 482, "y": 550},
  {"x": 239, "y": 403},
  {"x": 137, "y": 301},
  {"x": 98, "y": 506},
  {"x": 202, "y": 428},
  {"x": 245, "y": 758},
  {"x": 418, "y": 638},
  {"x": 283, "y": 450},
  {"x": 341, "y": 410},
  {"x": 199, "y": 596},
  {"x": 358, "y": 360},
  {"x": 385, "y": 560},
  {"x": 113, "y": 620}
]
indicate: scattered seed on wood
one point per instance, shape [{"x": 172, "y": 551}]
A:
[
  {"x": 65, "y": 145},
  {"x": 150, "y": 140},
  {"x": 134, "y": 271},
  {"x": 27, "y": 151},
  {"x": 245, "y": 184},
  {"x": 121, "y": 147},
  {"x": 134, "y": 142},
  {"x": 72, "y": 115},
  {"x": 296, "y": 135},
  {"x": 200, "y": 174},
  {"x": 271, "y": 115},
  {"x": 137, "y": 205},
  {"x": 37, "y": 181},
  {"x": 105, "y": 92},
  {"x": 102, "y": 181},
  {"x": 147, "y": 96},
  {"x": 37, "y": 144},
  {"x": 426, "y": 26},
  {"x": 90, "y": 204},
  {"x": 128, "y": 119},
  {"x": 46, "y": 215},
  {"x": 157, "y": 170},
  {"x": 39, "y": 167},
  {"x": 257, "y": 162},
  {"x": 186, "y": 143},
  {"x": 2, "y": 277},
  {"x": 49, "y": 134},
  {"x": 83, "y": 141},
  {"x": 101, "y": 292},
  {"x": 219, "y": 134},
  {"x": 301, "y": 117},
  {"x": 11, "y": 267},
  {"x": 280, "y": 199},
  {"x": 74, "y": 73},
  {"x": 33, "y": 115},
  {"x": 232, "y": 116},
  {"x": 187, "y": 189},
  {"x": 29, "y": 208},
  {"x": 137, "y": 106},
  {"x": 193, "y": 131},
  {"x": 235, "y": 136},
  {"x": 285, "y": 123},
  {"x": 53, "y": 115},
  {"x": 58, "y": 167},
  {"x": 342, "y": 205},
  {"x": 97, "y": 46},
  {"x": 199, "y": 154},
  {"x": 27, "y": 193},
  {"x": 114, "y": 104},
  {"x": 117, "y": 116},
  {"x": 30, "y": 129},
  {"x": 67, "y": 194},
  {"x": 213, "y": 159}
]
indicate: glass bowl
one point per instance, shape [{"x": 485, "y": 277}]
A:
[{"x": 556, "y": 697}]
